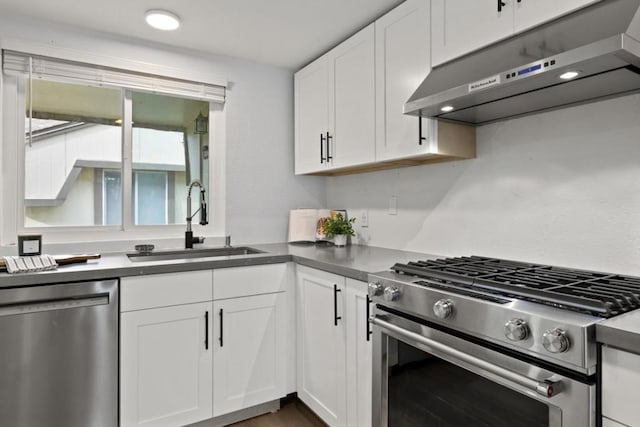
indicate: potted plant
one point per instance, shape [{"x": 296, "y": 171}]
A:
[{"x": 338, "y": 227}]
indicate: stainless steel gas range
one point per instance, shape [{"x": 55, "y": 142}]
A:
[{"x": 476, "y": 341}]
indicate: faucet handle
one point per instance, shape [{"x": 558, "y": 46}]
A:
[{"x": 203, "y": 208}]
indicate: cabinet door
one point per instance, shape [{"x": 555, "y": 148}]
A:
[
  {"x": 620, "y": 379},
  {"x": 352, "y": 116},
  {"x": 529, "y": 13},
  {"x": 461, "y": 26},
  {"x": 359, "y": 365},
  {"x": 165, "y": 366},
  {"x": 311, "y": 116},
  {"x": 249, "y": 351},
  {"x": 321, "y": 344},
  {"x": 402, "y": 62}
]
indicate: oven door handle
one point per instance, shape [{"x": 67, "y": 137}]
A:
[{"x": 546, "y": 388}]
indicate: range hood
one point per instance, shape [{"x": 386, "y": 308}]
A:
[{"x": 533, "y": 71}]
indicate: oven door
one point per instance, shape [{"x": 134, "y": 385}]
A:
[{"x": 427, "y": 377}]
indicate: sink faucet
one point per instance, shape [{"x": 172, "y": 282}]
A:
[{"x": 189, "y": 240}]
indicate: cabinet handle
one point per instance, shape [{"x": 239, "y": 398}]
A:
[
  {"x": 420, "y": 137},
  {"x": 206, "y": 330},
  {"x": 329, "y": 138},
  {"x": 368, "y": 331},
  {"x": 335, "y": 305},
  {"x": 501, "y": 4},
  {"x": 322, "y": 159},
  {"x": 366, "y": 321},
  {"x": 221, "y": 320}
]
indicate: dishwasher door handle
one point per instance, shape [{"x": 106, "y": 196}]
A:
[{"x": 42, "y": 305}]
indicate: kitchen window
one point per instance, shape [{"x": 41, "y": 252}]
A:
[{"x": 106, "y": 148}]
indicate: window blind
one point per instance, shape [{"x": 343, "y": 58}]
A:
[{"x": 77, "y": 72}]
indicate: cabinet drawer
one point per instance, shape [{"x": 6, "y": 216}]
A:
[
  {"x": 161, "y": 290},
  {"x": 252, "y": 280},
  {"x": 620, "y": 379}
]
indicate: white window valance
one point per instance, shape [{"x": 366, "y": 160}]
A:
[{"x": 47, "y": 68}]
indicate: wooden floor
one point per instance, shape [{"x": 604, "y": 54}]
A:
[{"x": 293, "y": 413}]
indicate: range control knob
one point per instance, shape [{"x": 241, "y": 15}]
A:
[
  {"x": 391, "y": 293},
  {"x": 443, "y": 308},
  {"x": 556, "y": 341},
  {"x": 516, "y": 330},
  {"x": 375, "y": 289}
]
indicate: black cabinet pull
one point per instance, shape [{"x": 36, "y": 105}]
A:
[
  {"x": 501, "y": 4},
  {"x": 335, "y": 305},
  {"x": 322, "y": 159},
  {"x": 221, "y": 320},
  {"x": 206, "y": 330},
  {"x": 329, "y": 138},
  {"x": 366, "y": 321},
  {"x": 420, "y": 137}
]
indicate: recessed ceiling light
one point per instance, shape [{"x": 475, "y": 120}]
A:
[
  {"x": 162, "y": 19},
  {"x": 446, "y": 108},
  {"x": 569, "y": 75}
]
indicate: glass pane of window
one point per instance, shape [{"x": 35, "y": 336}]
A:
[
  {"x": 73, "y": 134},
  {"x": 150, "y": 195},
  {"x": 112, "y": 205},
  {"x": 168, "y": 154}
]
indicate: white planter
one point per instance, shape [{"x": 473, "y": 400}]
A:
[{"x": 340, "y": 240}]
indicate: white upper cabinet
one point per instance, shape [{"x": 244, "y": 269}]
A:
[
  {"x": 335, "y": 107},
  {"x": 402, "y": 62},
  {"x": 461, "y": 26},
  {"x": 311, "y": 116},
  {"x": 529, "y": 13},
  {"x": 353, "y": 119}
]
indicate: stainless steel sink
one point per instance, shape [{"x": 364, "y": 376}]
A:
[{"x": 191, "y": 253}]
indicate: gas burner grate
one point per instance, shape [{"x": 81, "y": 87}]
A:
[{"x": 601, "y": 294}]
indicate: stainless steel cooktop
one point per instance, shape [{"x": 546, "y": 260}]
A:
[{"x": 545, "y": 312}]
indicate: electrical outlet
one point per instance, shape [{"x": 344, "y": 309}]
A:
[
  {"x": 364, "y": 218},
  {"x": 393, "y": 205}
]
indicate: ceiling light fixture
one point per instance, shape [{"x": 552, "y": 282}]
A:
[
  {"x": 446, "y": 108},
  {"x": 569, "y": 75},
  {"x": 162, "y": 19}
]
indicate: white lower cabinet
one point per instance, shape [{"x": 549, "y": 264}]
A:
[
  {"x": 620, "y": 379},
  {"x": 321, "y": 344},
  {"x": 196, "y": 345},
  {"x": 334, "y": 358},
  {"x": 249, "y": 361},
  {"x": 359, "y": 363},
  {"x": 165, "y": 366}
]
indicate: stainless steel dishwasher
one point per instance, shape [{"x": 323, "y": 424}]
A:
[{"x": 59, "y": 355}]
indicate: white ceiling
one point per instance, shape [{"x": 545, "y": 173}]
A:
[{"x": 286, "y": 33}]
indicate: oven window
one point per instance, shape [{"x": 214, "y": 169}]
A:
[{"x": 425, "y": 390}]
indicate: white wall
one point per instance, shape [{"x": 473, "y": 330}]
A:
[
  {"x": 260, "y": 184},
  {"x": 561, "y": 187}
]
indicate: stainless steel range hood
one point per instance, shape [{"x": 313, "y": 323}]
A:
[{"x": 521, "y": 75}]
